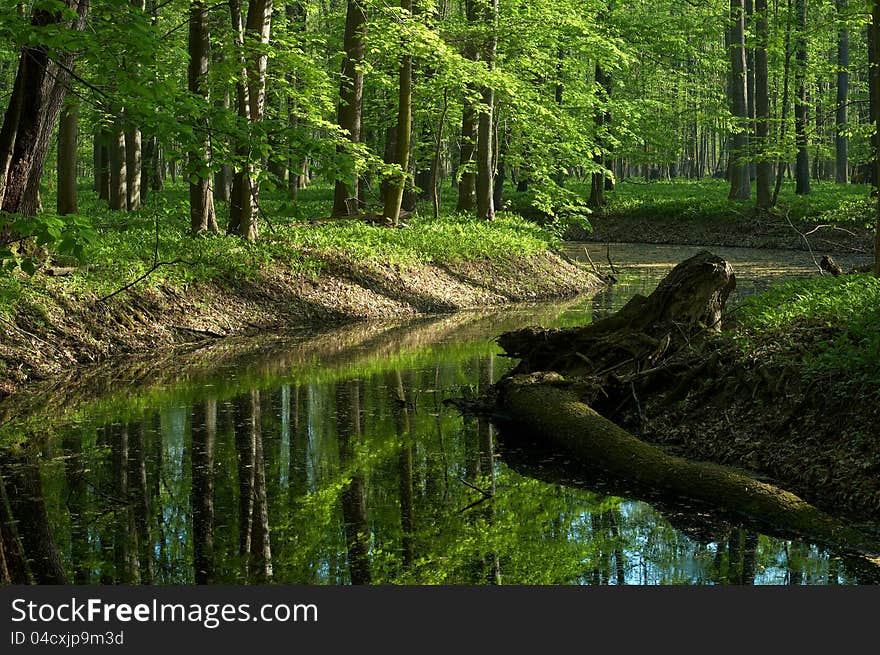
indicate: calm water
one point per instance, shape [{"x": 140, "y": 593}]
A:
[{"x": 331, "y": 458}]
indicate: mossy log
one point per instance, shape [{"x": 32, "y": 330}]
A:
[
  {"x": 686, "y": 305},
  {"x": 549, "y": 407}
]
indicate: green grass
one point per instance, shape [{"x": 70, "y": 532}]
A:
[
  {"x": 123, "y": 245},
  {"x": 689, "y": 200},
  {"x": 828, "y": 326}
]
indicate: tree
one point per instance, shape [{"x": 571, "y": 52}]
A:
[
  {"x": 201, "y": 196},
  {"x": 764, "y": 168},
  {"x": 394, "y": 193},
  {"x": 740, "y": 182},
  {"x": 67, "y": 145},
  {"x": 841, "y": 138},
  {"x": 485, "y": 124},
  {"x": 37, "y": 95},
  {"x": 351, "y": 97},
  {"x": 802, "y": 165}
]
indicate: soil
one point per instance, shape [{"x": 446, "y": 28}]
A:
[{"x": 65, "y": 333}]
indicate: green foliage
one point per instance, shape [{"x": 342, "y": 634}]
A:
[
  {"x": 831, "y": 326},
  {"x": 706, "y": 200}
]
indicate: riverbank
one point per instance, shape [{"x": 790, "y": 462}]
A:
[{"x": 63, "y": 330}]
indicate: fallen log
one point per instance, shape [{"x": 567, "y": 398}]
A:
[{"x": 549, "y": 407}]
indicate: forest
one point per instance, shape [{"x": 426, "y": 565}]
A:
[{"x": 270, "y": 276}]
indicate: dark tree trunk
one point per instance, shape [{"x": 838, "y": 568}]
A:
[
  {"x": 764, "y": 168},
  {"x": 37, "y": 96},
  {"x": 354, "y": 495},
  {"x": 394, "y": 195},
  {"x": 201, "y": 197},
  {"x": 802, "y": 166},
  {"x": 24, "y": 494},
  {"x": 67, "y": 142},
  {"x": 842, "y": 119},
  {"x": 782, "y": 166},
  {"x": 351, "y": 96},
  {"x": 204, "y": 433}
]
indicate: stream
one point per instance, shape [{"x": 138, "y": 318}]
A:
[{"x": 331, "y": 458}]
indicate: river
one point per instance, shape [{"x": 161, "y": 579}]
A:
[{"x": 330, "y": 457}]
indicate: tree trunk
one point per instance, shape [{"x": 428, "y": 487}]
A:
[
  {"x": 201, "y": 196},
  {"x": 485, "y": 140},
  {"x": 542, "y": 405},
  {"x": 118, "y": 200},
  {"x": 133, "y": 168},
  {"x": 781, "y": 166},
  {"x": 597, "y": 179},
  {"x": 67, "y": 142},
  {"x": 351, "y": 96},
  {"x": 38, "y": 93},
  {"x": 764, "y": 168},
  {"x": 394, "y": 196},
  {"x": 354, "y": 495},
  {"x": 740, "y": 183},
  {"x": 802, "y": 165},
  {"x": 875, "y": 119},
  {"x": 842, "y": 119}
]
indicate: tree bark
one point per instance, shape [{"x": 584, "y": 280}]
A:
[
  {"x": 802, "y": 165},
  {"x": 842, "y": 119},
  {"x": 67, "y": 143},
  {"x": 485, "y": 132},
  {"x": 351, "y": 96},
  {"x": 118, "y": 200},
  {"x": 394, "y": 195},
  {"x": 38, "y": 93},
  {"x": 740, "y": 183},
  {"x": 764, "y": 168},
  {"x": 201, "y": 197},
  {"x": 467, "y": 185}
]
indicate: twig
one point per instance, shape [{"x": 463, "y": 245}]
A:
[
  {"x": 807, "y": 241},
  {"x": 485, "y": 493},
  {"x": 143, "y": 277},
  {"x": 474, "y": 504},
  {"x": 638, "y": 404},
  {"x": 611, "y": 263}
]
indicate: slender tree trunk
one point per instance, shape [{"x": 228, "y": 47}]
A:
[
  {"x": 781, "y": 166},
  {"x": 351, "y": 96},
  {"x": 802, "y": 165},
  {"x": 240, "y": 203},
  {"x": 394, "y": 196},
  {"x": 201, "y": 196},
  {"x": 597, "y": 179},
  {"x": 740, "y": 183},
  {"x": 875, "y": 119},
  {"x": 485, "y": 141},
  {"x": 133, "y": 168},
  {"x": 467, "y": 185},
  {"x": 67, "y": 142},
  {"x": 764, "y": 168},
  {"x": 842, "y": 118},
  {"x": 118, "y": 200}
]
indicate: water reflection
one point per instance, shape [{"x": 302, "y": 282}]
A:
[{"x": 334, "y": 460}]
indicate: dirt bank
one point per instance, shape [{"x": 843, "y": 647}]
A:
[{"x": 65, "y": 332}]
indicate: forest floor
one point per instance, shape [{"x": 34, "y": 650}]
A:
[
  {"x": 833, "y": 218},
  {"x": 300, "y": 272}
]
